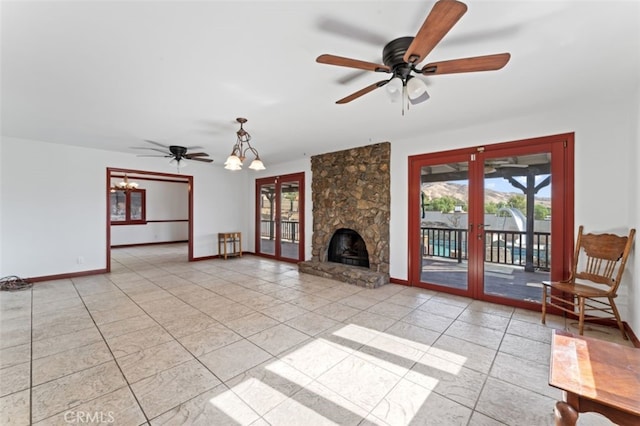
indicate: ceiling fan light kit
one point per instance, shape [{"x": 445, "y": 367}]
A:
[
  {"x": 416, "y": 88},
  {"x": 402, "y": 55},
  {"x": 240, "y": 148},
  {"x": 178, "y": 163}
]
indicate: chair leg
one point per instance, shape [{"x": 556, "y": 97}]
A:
[
  {"x": 581, "y": 315},
  {"x": 614, "y": 308},
  {"x": 544, "y": 304}
]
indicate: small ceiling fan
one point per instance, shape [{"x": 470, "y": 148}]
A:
[
  {"x": 177, "y": 153},
  {"x": 401, "y": 57}
]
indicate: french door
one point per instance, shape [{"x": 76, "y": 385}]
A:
[
  {"x": 280, "y": 217},
  {"x": 484, "y": 221}
]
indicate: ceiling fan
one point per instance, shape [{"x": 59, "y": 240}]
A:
[
  {"x": 401, "y": 57},
  {"x": 177, "y": 153}
]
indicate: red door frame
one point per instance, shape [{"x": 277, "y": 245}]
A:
[
  {"x": 276, "y": 180},
  {"x": 561, "y": 147}
]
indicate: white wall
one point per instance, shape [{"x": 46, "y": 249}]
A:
[
  {"x": 158, "y": 232},
  {"x": 54, "y": 205}
]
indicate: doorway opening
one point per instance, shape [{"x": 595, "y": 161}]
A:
[{"x": 153, "y": 178}]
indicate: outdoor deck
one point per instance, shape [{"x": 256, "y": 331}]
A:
[
  {"x": 288, "y": 250},
  {"x": 501, "y": 280}
]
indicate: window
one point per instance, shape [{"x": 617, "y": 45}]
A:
[{"x": 128, "y": 207}]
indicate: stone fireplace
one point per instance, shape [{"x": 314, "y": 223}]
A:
[{"x": 351, "y": 197}]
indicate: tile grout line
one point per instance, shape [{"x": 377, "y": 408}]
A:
[
  {"x": 112, "y": 355},
  {"x": 243, "y": 338},
  {"x": 484, "y": 383},
  {"x": 176, "y": 340}
]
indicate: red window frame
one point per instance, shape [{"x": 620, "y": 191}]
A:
[{"x": 127, "y": 207}]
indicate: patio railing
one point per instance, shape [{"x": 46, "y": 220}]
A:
[
  {"x": 503, "y": 247},
  {"x": 290, "y": 230}
]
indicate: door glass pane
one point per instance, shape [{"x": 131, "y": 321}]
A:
[
  {"x": 136, "y": 205},
  {"x": 443, "y": 213},
  {"x": 517, "y": 225},
  {"x": 289, "y": 220},
  {"x": 118, "y": 206},
  {"x": 268, "y": 210}
]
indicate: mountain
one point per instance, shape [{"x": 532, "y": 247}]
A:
[{"x": 459, "y": 191}]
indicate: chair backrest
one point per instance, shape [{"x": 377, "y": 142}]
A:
[{"x": 601, "y": 258}]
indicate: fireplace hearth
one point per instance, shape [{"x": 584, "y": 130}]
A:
[{"x": 351, "y": 208}]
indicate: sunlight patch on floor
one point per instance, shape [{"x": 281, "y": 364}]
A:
[
  {"x": 225, "y": 403},
  {"x": 303, "y": 366}
]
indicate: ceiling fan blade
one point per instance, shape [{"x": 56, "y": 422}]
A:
[
  {"x": 362, "y": 92},
  {"x": 197, "y": 154},
  {"x": 351, "y": 76},
  {"x": 477, "y": 63},
  {"x": 144, "y": 155},
  {"x": 441, "y": 19},
  {"x": 206, "y": 160},
  {"x": 351, "y": 63},
  {"x": 351, "y": 31},
  {"x": 153, "y": 149},
  {"x": 157, "y": 143}
]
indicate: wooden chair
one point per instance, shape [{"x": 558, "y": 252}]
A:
[{"x": 598, "y": 264}]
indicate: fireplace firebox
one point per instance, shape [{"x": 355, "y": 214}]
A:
[{"x": 348, "y": 247}]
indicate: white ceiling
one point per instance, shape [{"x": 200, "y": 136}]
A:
[{"x": 109, "y": 75}]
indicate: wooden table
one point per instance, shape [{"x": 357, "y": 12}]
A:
[
  {"x": 595, "y": 375},
  {"x": 226, "y": 238}
]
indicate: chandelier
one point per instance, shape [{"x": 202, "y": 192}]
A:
[
  {"x": 124, "y": 185},
  {"x": 239, "y": 151}
]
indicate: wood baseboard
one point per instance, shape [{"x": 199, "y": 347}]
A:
[
  {"x": 398, "y": 281},
  {"x": 66, "y": 276}
]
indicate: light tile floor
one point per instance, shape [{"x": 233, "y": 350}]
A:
[{"x": 251, "y": 341}]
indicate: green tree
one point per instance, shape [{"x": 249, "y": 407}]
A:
[
  {"x": 517, "y": 202},
  {"x": 540, "y": 211},
  {"x": 445, "y": 204},
  {"x": 491, "y": 207}
]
